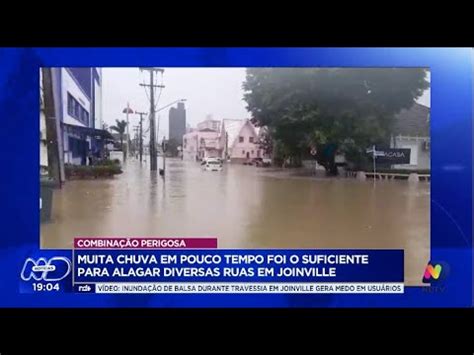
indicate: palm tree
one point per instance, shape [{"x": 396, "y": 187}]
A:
[{"x": 120, "y": 127}]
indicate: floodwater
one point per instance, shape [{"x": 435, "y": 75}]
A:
[{"x": 247, "y": 207}]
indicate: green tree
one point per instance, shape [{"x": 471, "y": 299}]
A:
[
  {"x": 120, "y": 127},
  {"x": 332, "y": 109}
]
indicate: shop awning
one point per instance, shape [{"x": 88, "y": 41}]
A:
[{"x": 89, "y": 131}]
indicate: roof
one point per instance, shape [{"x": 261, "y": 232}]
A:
[
  {"x": 414, "y": 122},
  {"x": 233, "y": 128}
]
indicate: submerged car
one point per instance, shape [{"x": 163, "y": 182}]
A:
[{"x": 212, "y": 164}]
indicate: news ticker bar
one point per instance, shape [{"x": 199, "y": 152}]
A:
[{"x": 240, "y": 288}]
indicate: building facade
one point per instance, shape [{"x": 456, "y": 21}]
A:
[
  {"x": 234, "y": 140},
  {"x": 210, "y": 124},
  {"x": 43, "y": 138},
  {"x": 242, "y": 140},
  {"x": 411, "y": 130},
  {"x": 201, "y": 144},
  {"x": 78, "y": 100},
  {"x": 177, "y": 122}
]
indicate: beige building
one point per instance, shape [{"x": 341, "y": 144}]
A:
[{"x": 231, "y": 139}]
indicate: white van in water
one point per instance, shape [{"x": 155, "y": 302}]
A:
[{"x": 212, "y": 164}]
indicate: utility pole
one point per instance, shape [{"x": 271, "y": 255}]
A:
[
  {"x": 135, "y": 138},
  {"x": 164, "y": 148},
  {"x": 128, "y": 131},
  {"x": 140, "y": 134},
  {"x": 51, "y": 132},
  {"x": 127, "y": 111},
  {"x": 153, "y": 156}
]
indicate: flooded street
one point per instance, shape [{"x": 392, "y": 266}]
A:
[{"x": 247, "y": 207}]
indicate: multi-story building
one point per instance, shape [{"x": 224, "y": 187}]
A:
[
  {"x": 177, "y": 122},
  {"x": 210, "y": 124},
  {"x": 78, "y": 98}
]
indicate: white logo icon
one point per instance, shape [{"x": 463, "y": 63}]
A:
[{"x": 39, "y": 269}]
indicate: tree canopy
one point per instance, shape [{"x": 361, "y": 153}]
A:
[
  {"x": 119, "y": 127},
  {"x": 347, "y": 109}
]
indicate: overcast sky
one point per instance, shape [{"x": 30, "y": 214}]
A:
[{"x": 214, "y": 91}]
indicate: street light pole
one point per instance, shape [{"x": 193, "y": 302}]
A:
[
  {"x": 171, "y": 103},
  {"x": 128, "y": 131},
  {"x": 374, "y": 157},
  {"x": 141, "y": 134},
  {"x": 127, "y": 110}
]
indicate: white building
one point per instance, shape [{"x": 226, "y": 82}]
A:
[
  {"x": 78, "y": 92},
  {"x": 411, "y": 130}
]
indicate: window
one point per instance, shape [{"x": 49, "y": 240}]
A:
[
  {"x": 251, "y": 152},
  {"x": 77, "y": 110},
  {"x": 86, "y": 117},
  {"x": 241, "y": 139},
  {"x": 70, "y": 104},
  {"x": 251, "y": 140},
  {"x": 243, "y": 152},
  {"x": 76, "y": 147}
]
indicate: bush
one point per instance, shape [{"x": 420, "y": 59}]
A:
[
  {"x": 91, "y": 172},
  {"x": 108, "y": 162}
]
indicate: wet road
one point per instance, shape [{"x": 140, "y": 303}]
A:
[{"x": 247, "y": 207}]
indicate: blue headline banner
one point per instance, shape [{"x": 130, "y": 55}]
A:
[{"x": 238, "y": 266}]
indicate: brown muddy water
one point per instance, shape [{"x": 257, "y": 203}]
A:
[{"x": 247, "y": 207}]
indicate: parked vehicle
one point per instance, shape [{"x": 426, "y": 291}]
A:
[{"x": 261, "y": 162}]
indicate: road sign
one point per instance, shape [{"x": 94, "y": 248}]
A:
[{"x": 391, "y": 155}]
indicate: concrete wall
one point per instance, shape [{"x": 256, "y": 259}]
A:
[{"x": 43, "y": 146}]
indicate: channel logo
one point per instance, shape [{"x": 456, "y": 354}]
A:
[
  {"x": 435, "y": 272},
  {"x": 43, "y": 269}
]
